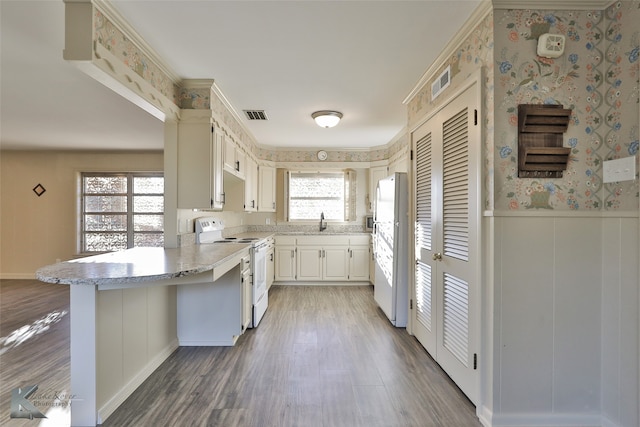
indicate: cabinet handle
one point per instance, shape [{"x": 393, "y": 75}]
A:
[
  {"x": 271, "y": 257},
  {"x": 274, "y": 205},
  {"x": 351, "y": 253},
  {"x": 238, "y": 165},
  {"x": 253, "y": 203},
  {"x": 224, "y": 198},
  {"x": 437, "y": 256},
  {"x": 292, "y": 253}
]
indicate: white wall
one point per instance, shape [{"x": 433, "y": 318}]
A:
[
  {"x": 37, "y": 231},
  {"x": 566, "y": 319},
  {"x": 620, "y": 321}
]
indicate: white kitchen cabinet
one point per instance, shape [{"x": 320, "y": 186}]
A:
[
  {"x": 323, "y": 257},
  {"x": 247, "y": 292},
  {"x": 200, "y": 156},
  {"x": 266, "y": 189},
  {"x": 376, "y": 173},
  {"x": 372, "y": 264},
  {"x": 323, "y": 263},
  {"x": 359, "y": 265},
  {"x": 330, "y": 258},
  {"x": 309, "y": 263},
  {"x": 271, "y": 265},
  {"x": 251, "y": 186},
  {"x": 234, "y": 159},
  {"x": 399, "y": 164},
  {"x": 285, "y": 258},
  {"x": 335, "y": 263}
]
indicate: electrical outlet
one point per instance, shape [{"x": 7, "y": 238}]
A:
[{"x": 620, "y": 169}]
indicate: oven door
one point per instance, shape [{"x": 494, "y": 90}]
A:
[{"x": 260, "y": 295}]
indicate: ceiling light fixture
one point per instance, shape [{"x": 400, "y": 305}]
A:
[{"x": 326, "y": 118}]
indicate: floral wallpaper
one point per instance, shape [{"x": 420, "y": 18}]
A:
[
  {"x": 596, "y": 77},
  {"x": 126, "y": 51},
  {"x": 194, "y": 98},
  {"x": 475, "y": 52}
]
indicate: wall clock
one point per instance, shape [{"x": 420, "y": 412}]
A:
[{"x": 322, "y": 155}]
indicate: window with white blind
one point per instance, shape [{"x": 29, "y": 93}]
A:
[
  {"x": 311, "y": 194},
  {"x": 121, "y": 210}
]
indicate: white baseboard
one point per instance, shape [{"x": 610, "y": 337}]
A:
[
  {"x": 321, "y": 283},
  {"x": 545, "y": 420},
  {"x": 112, "y": 404}
]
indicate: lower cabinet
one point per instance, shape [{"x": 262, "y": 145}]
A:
[
  {"x": 359, "y": 262},
  {"x": 285, "y": 258},
  {"x": 271, "y": 265},
  {"x": 322, "y": 258},
  {"x": 247, "y": 292}
]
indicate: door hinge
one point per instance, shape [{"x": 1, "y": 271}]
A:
[
  {"x": 411, "y": 304},
  {"x": 475, "y": 361},
  {"x": 475, "y": 117}
]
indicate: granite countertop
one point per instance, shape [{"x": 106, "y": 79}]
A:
[
  {"x": 140, "y": 265},
  {"x": 260, "y": 235}
]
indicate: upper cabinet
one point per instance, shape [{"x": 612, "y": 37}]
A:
[
  {"x": 266, "y": 189},
  {"x": 251, "y": 186},
  {"x": 376, "y": 173},
  {"x": 200, "y": 155},
  {"x": 234, "y": 159}
]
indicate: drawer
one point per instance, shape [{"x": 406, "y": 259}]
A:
[
  {"x": 360, "y": 240},
  {"x": 285, "y": 240}
]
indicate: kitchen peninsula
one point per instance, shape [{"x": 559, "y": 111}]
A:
[{"x": 123, "y": 315}]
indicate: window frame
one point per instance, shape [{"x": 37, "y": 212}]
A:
[
  {"x": 130, "y": 214},
  {"x": 349, "y": 202}
]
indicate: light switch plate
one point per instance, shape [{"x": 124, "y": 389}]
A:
[{"x": 620, "y": 169}]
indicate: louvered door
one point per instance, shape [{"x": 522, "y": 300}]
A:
[
  {"x": 446, "y": 238},
  {"x": 425, "y": 321}
]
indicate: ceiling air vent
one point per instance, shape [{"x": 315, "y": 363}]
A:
[
  {"x": 255, "y": 114},
  {"x": 441, "y": 83}
]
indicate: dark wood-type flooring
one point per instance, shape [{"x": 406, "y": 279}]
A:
[{"x": 322, "y": 356}]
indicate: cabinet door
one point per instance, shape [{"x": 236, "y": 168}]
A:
[
  {"x": 309, "y": 263},
  {"x": 217, "y": 162},
  {"x": 194, "y": 165},
  {"x": 359, "y": 263},
  {"x": 229, "y": 155},
  {"x": 285, "y": 263},
  {"x": 375, "y": 175},
  {"x": 271, "y": 266},
  {"x": 241, "y": 163},
  {"x": 247, "y": 299},
  {"x": 335, "y": 263},
  {"x": 267, "y": 189},
  {"x": 251, "y": 186}
]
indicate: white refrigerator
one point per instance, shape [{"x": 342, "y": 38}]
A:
[{"x": 391, "y": 291}]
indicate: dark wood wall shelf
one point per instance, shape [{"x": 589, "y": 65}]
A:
[{"x": 540, "y": 139}]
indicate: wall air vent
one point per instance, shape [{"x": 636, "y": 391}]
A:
[
  {"x": 255, "y": 114},
  {"x": 441, "y": 83}
]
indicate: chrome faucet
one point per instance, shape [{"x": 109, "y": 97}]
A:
[{"x": 323, "y": 225}]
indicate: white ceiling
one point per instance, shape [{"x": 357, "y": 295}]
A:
[{"x": 289, "y": 58}]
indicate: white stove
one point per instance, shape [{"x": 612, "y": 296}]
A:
[{"x": 209, "y": 231}]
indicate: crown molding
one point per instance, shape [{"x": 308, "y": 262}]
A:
[
  {"x": 116, "y": 18},
  {"x": 553, "y": 5}
]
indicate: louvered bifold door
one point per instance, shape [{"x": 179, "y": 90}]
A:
[
  {"x": 425, "y": 320},
  {"x": 456, "y": 270},
  {"x": 446, "y": 234}
]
